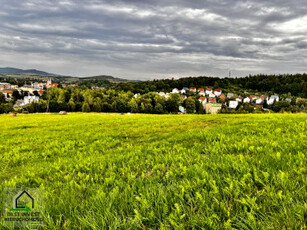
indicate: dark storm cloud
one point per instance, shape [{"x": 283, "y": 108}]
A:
[{"x": 151, "y": 38}]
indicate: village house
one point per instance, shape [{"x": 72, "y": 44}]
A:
[
  {"x": 212, "y": 100},
  {"x": 217, "y": 92},
  {"x": 14, "y": 87},
  {"x": 246, "y": 100},
  {"x": 272, "y": 99},
  {"x": 162, "y": 94},
  {"x": 259, "y": 101},
  {"x": 183, "y": 97},
  {"x": 233, "y": 104},
  {"x": 222, "y": 97},
  {"x": 40, "y": 92},
  {"x": 4, "y": 85},
  {"x": 230, "y": 95},
  {"x": 30, "y": 99},
  {"x": 55, "y": 85},
  {"x": 202, "y": 100},
  {"x": 211, "y": 95},
  {"x": 175, "y": 90},
  {"x": 192, "y": 89},
  {"x": 213, "y": 108},
  {"x": 183, "y": 91},
  {"x": 208, "y": 91},
  {"x": 202, "y": 93},
  {"x": 7, "y": 94},
  {"x": 200, "y": 90},
  {"x": 239, "y": 99},
  {"x": 252, "y": 97}
]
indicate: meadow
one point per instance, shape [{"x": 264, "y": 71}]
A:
[{"x": 110, "y": 171}]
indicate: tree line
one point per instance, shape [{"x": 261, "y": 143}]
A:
[
  {"x": 280, "y": 84},
  {"x": 82, "y": 99}
]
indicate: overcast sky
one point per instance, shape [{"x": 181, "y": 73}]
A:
[{"x": 146, "y": 39}]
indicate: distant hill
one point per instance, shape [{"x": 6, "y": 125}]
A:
[
  {"x": 105, "y": 78},
  {"x": 15, "y": 71},
  {"x": 33, "y": 72}
]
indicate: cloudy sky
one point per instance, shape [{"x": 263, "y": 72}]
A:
[{"x": 146, "y": 39}]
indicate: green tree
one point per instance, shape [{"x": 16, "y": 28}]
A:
[
  {"x": 173, "y": 102},
  {"x": 96, "y": 107},
  {"x": 2, "y": 98},
  {"x": 16, "y": 95},
  {"x": 190, "y": 105},
  {"x": 71, "y": 105},
  {"x": 133, "y": 106},
  {"x": 158, "y": 109},
  {"x": 85, "y": 107}
]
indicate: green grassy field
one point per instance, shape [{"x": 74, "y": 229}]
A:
[{"x": 102, "y": 171}]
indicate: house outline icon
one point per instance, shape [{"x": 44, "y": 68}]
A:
[{"x": 19, "y": 195}]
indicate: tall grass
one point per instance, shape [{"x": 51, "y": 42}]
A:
[{"x": 105, "y": 171}]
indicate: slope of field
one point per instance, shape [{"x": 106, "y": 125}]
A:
[{"x": 102, "y": 171}]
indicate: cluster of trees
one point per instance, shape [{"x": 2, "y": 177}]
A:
[
  {"x": 295, "y": 84},
  {"x": 75, "y": 99}
]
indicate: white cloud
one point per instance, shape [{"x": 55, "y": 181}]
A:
[{"x": 146, "y": 39}]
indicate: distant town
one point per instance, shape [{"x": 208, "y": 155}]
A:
[{"x": 34, "y": 97}]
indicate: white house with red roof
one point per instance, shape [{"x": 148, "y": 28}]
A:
[
  {"x": 208, "y": 91},
  {"x": 217, "y": 92},
  {"x": 211, "y": 95},
  {"x": 203, "y": 100},
  {"x": 193, "y": 89}
]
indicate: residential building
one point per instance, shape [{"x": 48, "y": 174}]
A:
[
  {"x": 208, "y": 91},
  {"x": 7, "y": 94},
  {"x": 183, "y": 97},
  {"x": 252, "y": 97},
  {"x": 217, "y": 92},
  {"x": 246, "y": 100},
  {"x": 272, "y": 99},
  {"x": 200, "y": 89},
  {"x": 211, "y": 95},
  {"x": 233, "y": 104},
  {"x": 162, "y": 94},
  {"x": 192, "y": 89},
  {"x": 230, "y": 95},
  {"x": 183, "y": 91},
  {"x": 222, "y": 97},
  {"x": 213, "y": 108},
  {"x": 175, "y": 90},
  {"x": 203, "y": 100},
  {"x": 30, "y": 99},
  {"x": 212, "y": 100},
  {"x": 259, "y": 101}
]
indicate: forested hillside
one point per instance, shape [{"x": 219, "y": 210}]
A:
[{"x": 295, "y": 84}]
